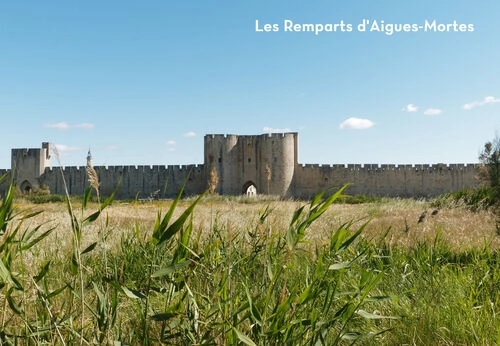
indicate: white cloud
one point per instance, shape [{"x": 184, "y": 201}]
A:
[
  {"x": 171, "y": 143},
  {"x": 58, "y": 126},
  {"x": 65, "y": 126},
  {"x": 190, "y": 134},
  {"x": 485, "y": 101},
  {"x": 433, "y": 111},
  {"x": 491, "y": 99},
  {"x": 472, "y": 105},
  {"x": 356, "y": 124},
  {"x": 63, "y": 148},
  {"x": 85, "y": 126},
  {"x": 410, "y": 108},
  {"x": 268, "y": 129}
]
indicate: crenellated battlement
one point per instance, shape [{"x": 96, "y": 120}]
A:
[
  {"x": 138, "y": 168},
  {"x": 65, "y": 169},
  {"x": 391, "y": 167},
  {"x": 265, "y": 135},
  {"x": 278, "y": 135},
  {"x": 220, "y": 137}
]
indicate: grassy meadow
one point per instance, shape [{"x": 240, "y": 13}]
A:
[{"x": 224, "y": 270}]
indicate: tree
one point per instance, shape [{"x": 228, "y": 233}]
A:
[{"x": 489, "y": 171}]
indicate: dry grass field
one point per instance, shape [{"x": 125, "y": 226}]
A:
[
  {"x": 239, "y": 271},
  {"x": 461, "y": 228}
]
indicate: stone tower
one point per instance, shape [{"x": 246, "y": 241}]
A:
[
  {"x": 89, "y": 159},
  {"x": 262, "y": 164},
  {"x": 28, "y": 165}
]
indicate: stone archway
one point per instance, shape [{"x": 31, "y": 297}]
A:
[
  {"x": 26, "y": 187},
  {"x": 249, "y": 189}
]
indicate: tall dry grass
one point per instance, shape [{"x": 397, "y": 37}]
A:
[
  {"x": 248, "y": 271},
  {"x": 460, "y": 227}
]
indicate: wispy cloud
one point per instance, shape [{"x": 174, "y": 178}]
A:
[
  {"x": 268, "y": 129},
  {"x": 485, "y": 101},
  {"x": 58, "y": 126},
  {"x": 63, "y": 148},
  {"x": 85, "y": 126},
  {"x": 62, "y": 126},
  {"x": 433, "y": 111},
  {"x": 356, "y": 124},
  {"x": 171, "y": 145},
  {"x": 410, "y": 108},
  {"x": 190, "y": 134}
]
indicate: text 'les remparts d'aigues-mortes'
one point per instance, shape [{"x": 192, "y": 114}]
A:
[{"x": 366, "y": 25}]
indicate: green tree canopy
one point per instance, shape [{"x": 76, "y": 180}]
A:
[{"x": 490, "y": 168}]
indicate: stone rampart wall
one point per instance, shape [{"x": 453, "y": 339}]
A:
[
  {"x": 241, "y": 162},
  {"x": 4, "y": 183},
  {"x": 309, "y": 179},
  {"x": 385, "y": 180},
  {"x": 132, "y": 181}
]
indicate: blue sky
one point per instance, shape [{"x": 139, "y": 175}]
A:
[{"x": 142, "y": 82}]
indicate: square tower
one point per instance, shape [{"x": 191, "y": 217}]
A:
[{"x": 28, "y": 164}]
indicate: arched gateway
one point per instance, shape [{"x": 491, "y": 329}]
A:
[{"x": 249, "y": 189}]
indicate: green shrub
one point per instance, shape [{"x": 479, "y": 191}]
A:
[{"x": 472, "y": 199}]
